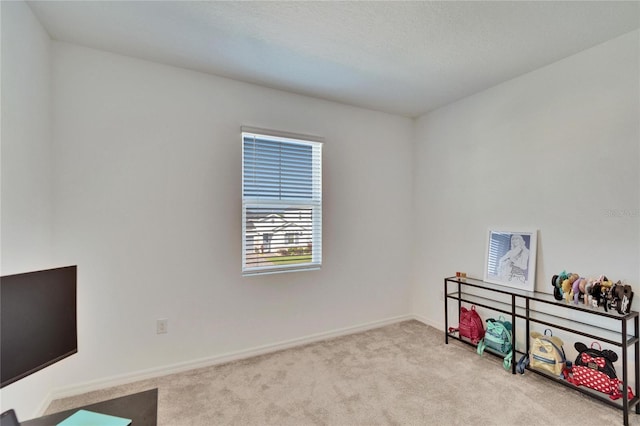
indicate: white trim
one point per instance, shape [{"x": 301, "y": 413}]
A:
[
  {"x": 48, "y": 399},
  {"x": 266, "y": 270},
  {"x": 150, "y": 373},
  {"x": 426, "y": 321},
  {"x": 278, "y": 134}
]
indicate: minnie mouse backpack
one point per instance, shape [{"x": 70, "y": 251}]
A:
[{"x": 594, "y": 369}]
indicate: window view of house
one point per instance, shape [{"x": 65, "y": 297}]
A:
[
  {"x": 277, "y": 237},
  {"x": 282, "y": 201}
]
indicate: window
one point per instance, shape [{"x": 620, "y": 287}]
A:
[
  {"x": 281, "y": 202},
  {"x": 291, "y": 238}
]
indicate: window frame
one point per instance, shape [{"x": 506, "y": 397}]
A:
[{"x": 312, "y": 203}]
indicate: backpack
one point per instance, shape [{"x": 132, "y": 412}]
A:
[
  {"x": 470, "y": 325},
  {"x": 498, "y": 337},
  {"x": 547, "y": 353},
  {"x": 594, "y": 369}
]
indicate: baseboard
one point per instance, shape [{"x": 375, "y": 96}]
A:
[
  {"x": 48, "y": 399},
  {"x": 215, "y": 360},
  {"x": 426, "y": 321}
]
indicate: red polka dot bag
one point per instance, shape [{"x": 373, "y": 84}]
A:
[{"x": 594, "y": 369}]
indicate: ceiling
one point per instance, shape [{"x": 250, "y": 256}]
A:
[{"x": 405, "y": 58}]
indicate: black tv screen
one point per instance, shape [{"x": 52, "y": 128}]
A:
[{"x": 37, "y": 321}]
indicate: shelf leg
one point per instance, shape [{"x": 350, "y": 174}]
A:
[
  {"x": 625, "y": 381},
  {"x": 636, "y": 350},
  {"x": 446, "y": 314},
  {"x": 528, "y": 328},
  {"x": 514, "y": 361}
]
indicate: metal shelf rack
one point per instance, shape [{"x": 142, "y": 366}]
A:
[{"x": 541, "y": 308}]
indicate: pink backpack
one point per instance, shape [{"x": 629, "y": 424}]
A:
[{"x": 471, "y": 325}]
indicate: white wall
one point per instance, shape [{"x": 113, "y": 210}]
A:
[
  {"x": 26, "y": 224},
  {"x": 147, "y": 195},
  {"x": 26, "y": 141},
  {"x": 557, "y": 150}
]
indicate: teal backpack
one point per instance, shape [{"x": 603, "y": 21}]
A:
[{"x": 498, "y": 338}]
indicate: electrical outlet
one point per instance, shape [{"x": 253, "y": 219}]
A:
[{"x": 162, "y": 326}]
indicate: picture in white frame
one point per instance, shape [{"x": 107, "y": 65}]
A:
[{"x": 510, "y": 258}]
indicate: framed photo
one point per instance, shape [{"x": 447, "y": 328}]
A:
[{"x": 510, "y": 259}]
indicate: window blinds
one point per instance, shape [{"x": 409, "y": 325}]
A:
[{"x": 281, "y": 203}]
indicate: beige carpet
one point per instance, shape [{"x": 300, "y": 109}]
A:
[{"x": 402, "y": 374}]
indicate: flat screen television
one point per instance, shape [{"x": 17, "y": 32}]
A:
[{"x": 38, "y": 325}]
